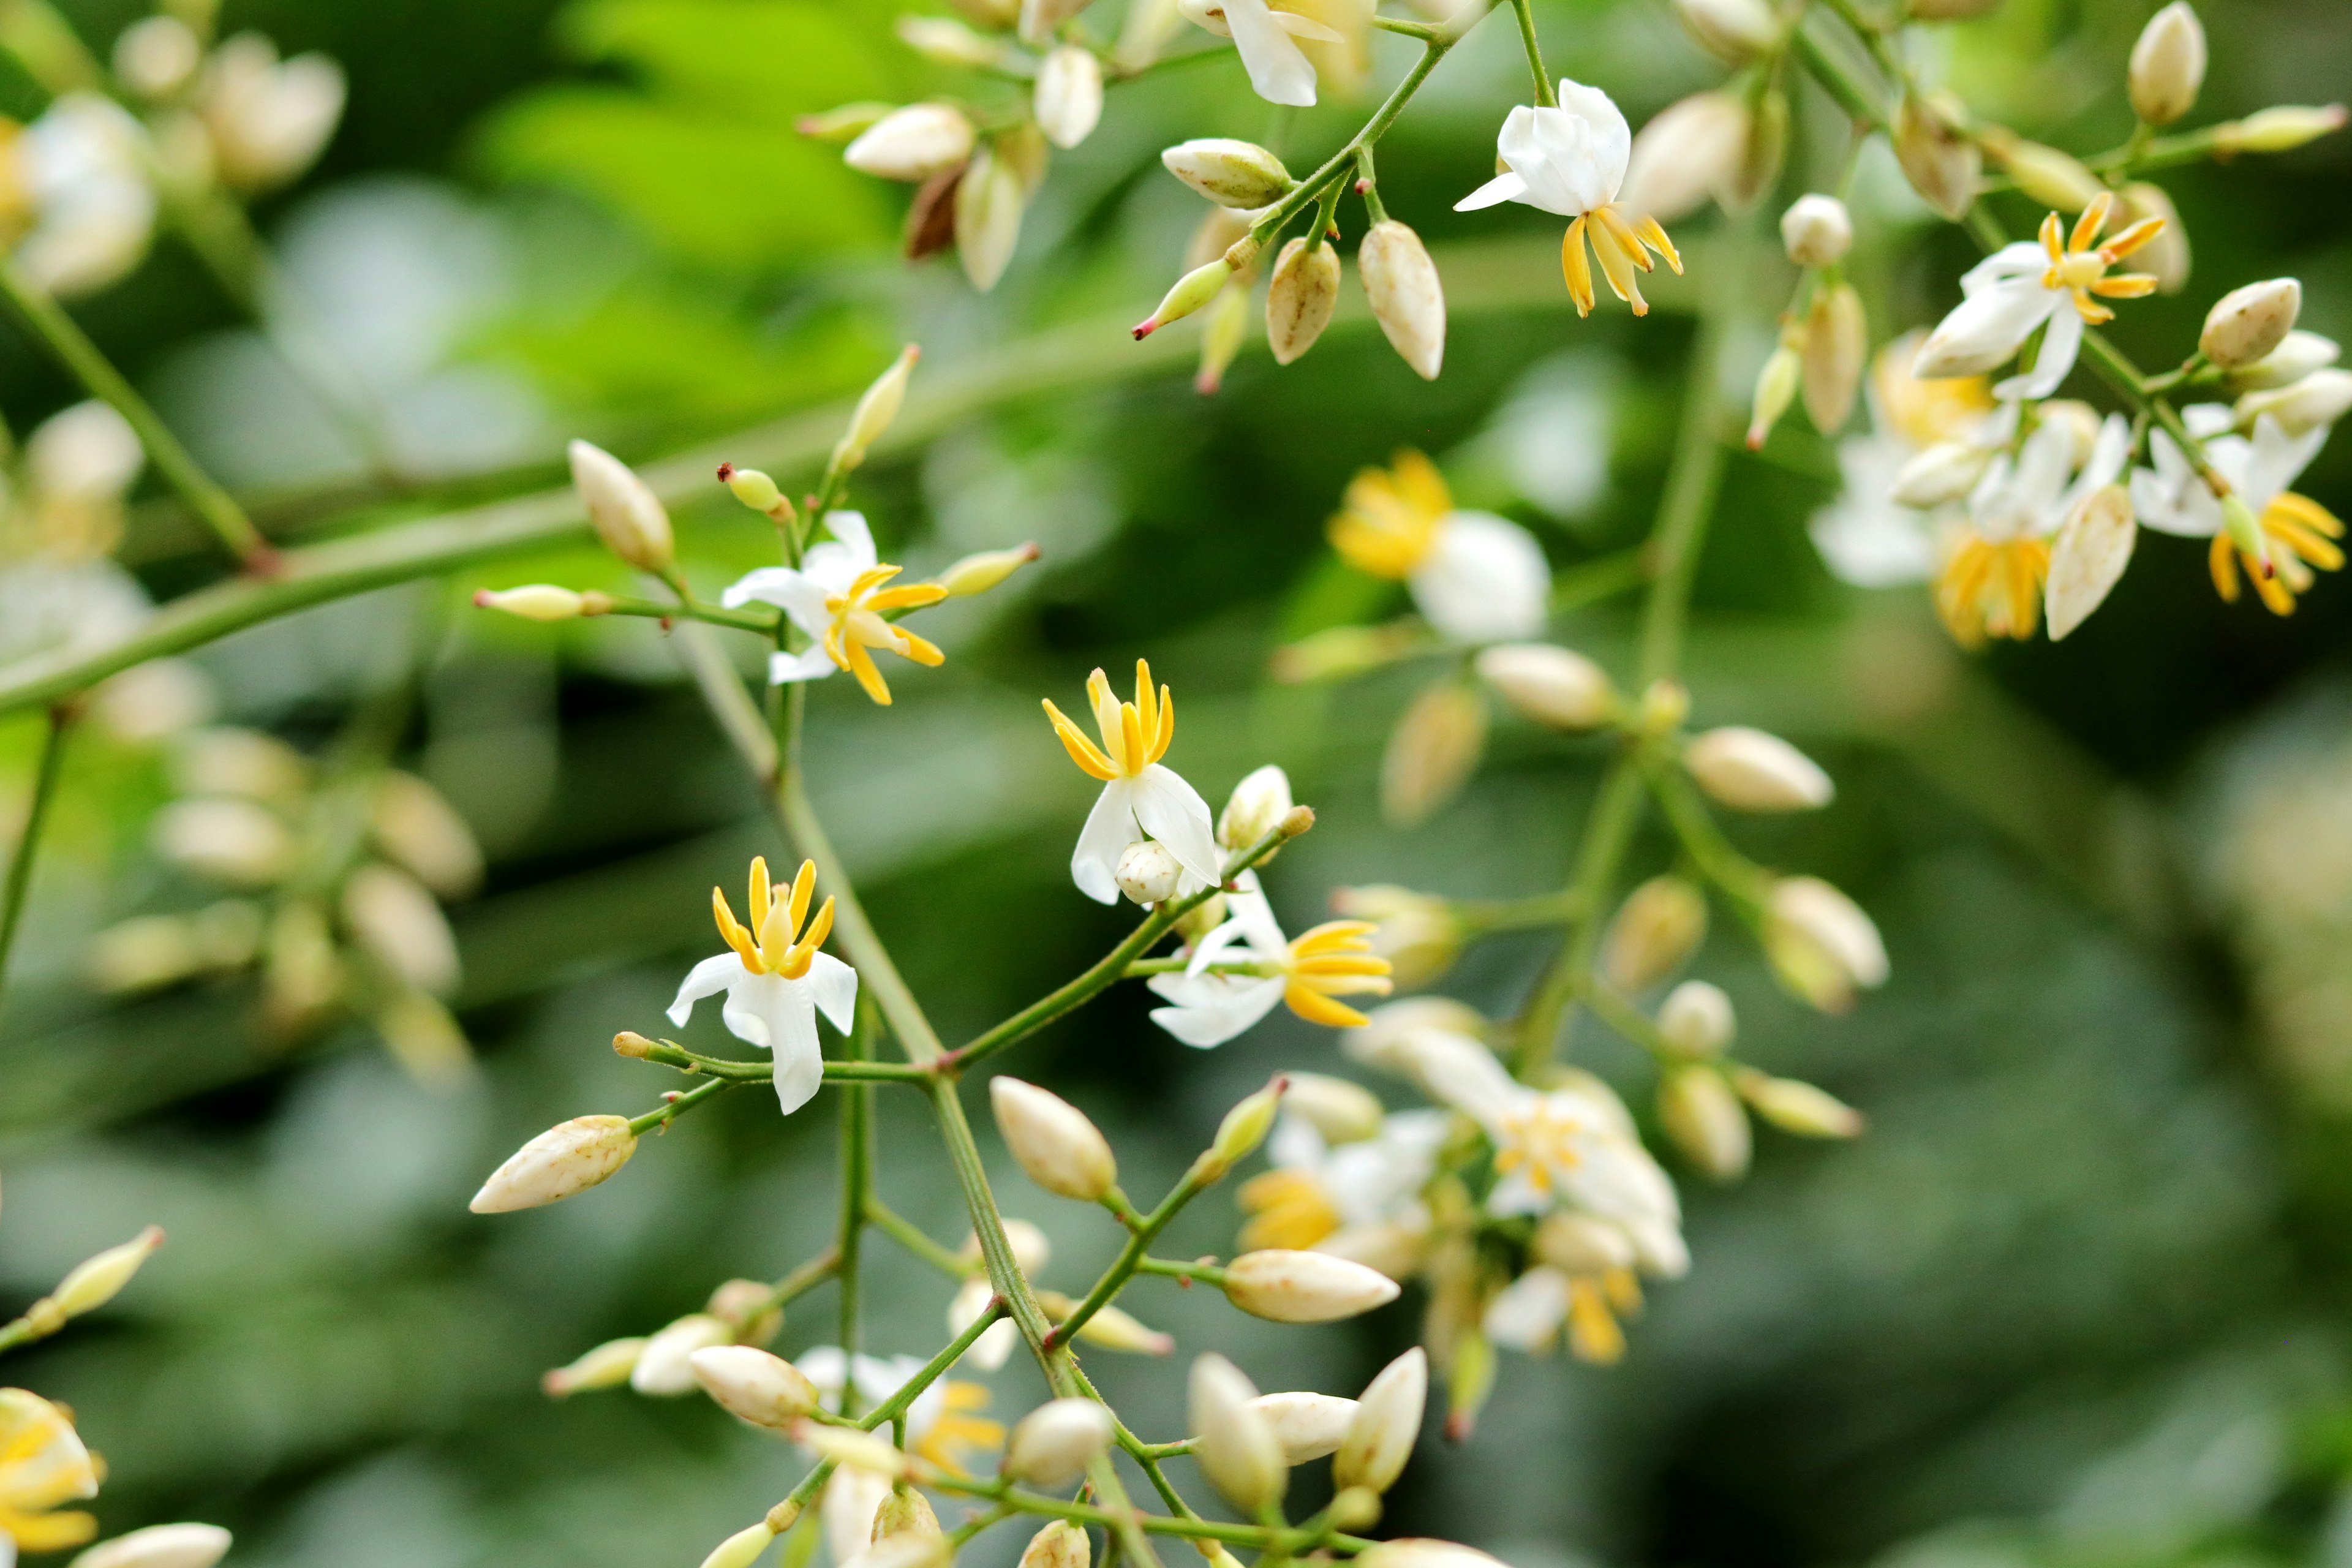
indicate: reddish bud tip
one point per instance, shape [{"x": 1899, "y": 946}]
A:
[
  {"x": 1145, "y": 328},
  {"x": 481, "y": 599},
  {"x": 725, "y": 472},
  {"x": 1205, "y": 383},
  {"x": 1362, "y": 185}
]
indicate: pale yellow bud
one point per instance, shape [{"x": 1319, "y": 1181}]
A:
[
  {"x": 1748, "y": 769},
  {"x": 415, "y": 825},
  {"x": 401, "y": 926},
  {"x": 2248, "y": 324},
  {"x": 243, "y": 762},
  {"x": 1230, "y": 172},
  {"x": 1304, "y": 1287},
  {"x": 1666, "y": 703},
  {"x": 1550, "y": 685},
  {"x": 753, "y": 1385},
  {"x": 742, "y": 1549},
  {"x": 1941, "y": 164},
  {"x": 2046, "y": 175},
  {"x": 1191, "y": 291},
  {"x": 1343, "y": 1112},
  {"x": 607, "y": 1366},
  {"x": 2168, "y": 65},
  {"x": 2166, "y": 257},
  {"x": 157, "y": 57},
  {"x": 905, "y": 1511},
  {"x": 536, "y": 602},
  {"x": 1069, "y": 99},
  {"x": 988, "y": 569},
  {"x": 1054, "y": 1443},
  {"x": 1696, "y": 1019},
  {"x": 948, "y": 42},
  {"x": 1307, "y": 1426},
  {"x": 1816, "y": 230},
  {"x": 1658, "y": 927},
  {"x": 1418, "y": 934},
  {"x": 1942, "y": 474},
  {"x": 1821, "y": 944},
  {"x": 1733, "y": 31},
  {"x": 234, "y": 841},
  {"x": 2088, "y": 557},
  {"x": 1776, "y": 388},
  {"x": 1837, "y": 344},
  {"x": 1039, "y": 18},
  {"x": 1579, "y": 1244},
  {"x": 1116, "y": 1330},
  {"x": 1219, "y": 230},
  {"x": 907, "y": 1548},
  {"x": 1762, "y": 154},
  {"x": 1238, "y": 1450},
  {"x": 1407, "y": 297},
  {"x": 159, "y": 1545},
  {"x": 914, "y": 142},
  {"x": 1690, "y": 152},
  {"x": 2301, "y": 353},
  {"x": 1060, "y": 1544},
  {"x": 149, "y": 701},
  {"x": 747, "y": 1307},
  {"x": 565, "y": 1160},
  {"x": 1706, "y": 1120},
  {"x": 2279, "y": 130},
  {"x": 1061, "y": 1150},
  {"x": 876, "y": 409},
  {"x": 665, "y": 1366},
  {"x": 628, "y": 516},
  {"x": 989, "y": 203},
  {"x": 96, "y": 1281},
  {"x": 847, "y": 1447},
  {"x": 1255, "y": 808},
  {"x": 1797, "y": 1107},
  {"x": 757, "y": 490},
  {"x": 2321, "y": 397},
  {"x": 1147, "y": 873},
  {"x": 1433, "y": 751},
  {"x": 845, "y": 122},
  {"x": 1387, "y": 1423},
  {"x": 300, "y": 973},
  {"x": 1300, "y": 299}
]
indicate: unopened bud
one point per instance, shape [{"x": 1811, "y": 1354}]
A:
[
  {"x": 944, "y": 41},
  {"x": 1733, "y": 31},
  {"x": 1837, "y": 342},
  {"x": 563, "y": 1161},
  {"x": 1147, "y": 873},
  {"x": 2301, "y": 353},
  {"x": 1290, "y": 1287},
  {"x": 1691, "y": 151},
  {"x": 876, "y": 409},
  {"x": 665, "y": 1366},
  {"x": 1343, "y": 1112},
  {"x": 1387, "y": 1423},
  {"x": 757, "y": 490},
  {"x": 1816, "y": 230},
  {"x": 1941, "y": 164},
  {"x": 753, "y": 1385},
  {"x": 988, "y": 569},
  {"x": 400, "y": 924},
  {"x": 1553, "y": 686},
  {"x": 1776, "y": 388},
  {"x": 1069, "y": 96},
  {"x": 1061, "y": 1150},
  {"x": 989, "y": 203},
  {"x": 1039, "y": 18},
  {"x": 2321, "y": 397},
  {"x": 913, "y": 143},
  {"x": 905, "y": 1511},
  {"x": 1244, "y": 1127},
  {"x": 628, "y": 516},
  {"x": 1433, "y": 751},
  {"x": 1230, "y": 172},
  {"x": 1355, "y": 1509},
  {"x": 1418, "y": 934},
  {"x": 2046, "y": 175},
  {"x": 1054, "y": 1443},
  {"x": 1706, "y": 1120},
  {"x": 607, "y": 1366},
  {"x": 95, "y": 1283},
  {"x": 1300, "y": 299},
  {"x": 1297, "y": 820},
  {"x": 1764, "y": 153},
  {"x": 1797, "y": 1107},
  {"x": 2248, "y": 324},
  {"x": 415, "y": 825},
  {"x": 1696, "y": 1019},
  {"x": 1410, "y": 1553},
  {"x": 1307, "y": 1426},
  {"x": 1191, "y": 291},
  {"x": 1821, "y": 945},
  {"x": 1115, "y": 1329},
  {"x": 536, "y": 602},
  {"x": 159, "y": 1545},
  {"x": 742, "y": 1549},
  {"x": 845, "y": 123},
  {"x": 1581, "y": 1244},
  {"x": 2088, "y": 557},
  {"x": 2279, "y": 130},
  {"x": 1748, "y": 769},
  {"x": 1255, "y": 808},
  {"x": 1660, "y": 925},
  {"x": 1942, "y": 474},
  {"x": 2165, "y": 258},
  {"x": 858, "y": 1451},
  {"x": 1237, "y": 1448},
  {"x": 1407, "y": 297},
  {"x": 2168, "y": 65},
  {"x": 1060, "y": 1544}
]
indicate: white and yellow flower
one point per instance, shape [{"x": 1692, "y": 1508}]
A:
[
  {"x": 2058, "y": 279},
  {"x": 775, "y": 979},
  {"x": 43, "y": 1466},
  {"x": 2171, "y": 497},
  {"x": 1141, "y": 796},
  {"x": 1268, "y": 39},
  {"x": 78, "y": 174},
  {"x": 1990, "y": 580},
  {"x": 940, "y": 1428},
  {"x": 1475, "y": 577},
  {"x": 1571, "y": 160},
  {"x": 1335, "y": 1196},
  {"x": 1218, "y": 994},
  {"x": 1872, "y": 536},
  {"x": 840, "y": 595}
]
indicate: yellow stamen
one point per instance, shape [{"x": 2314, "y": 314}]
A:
[
  {"x": 1653, "y": 234},
  {"x": 2302, "y": 534},
  {"x": 1593, "y": 1331},
  {"x": 857, "y": 626},
  {"x": 782, "y": 946},
  {"x": 1134, "y": 734},
  {"x": 1288, "y": 1209},
  {"x": 1387, "y": 521},
  {"x": 2093, "y": 220},
  {"x": 1576, "y": 269}
]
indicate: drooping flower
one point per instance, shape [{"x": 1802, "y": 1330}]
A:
[
  {"x": 1475, "y": 577},
  {"x": 1141, "y": 796},
  {"x": 43, "y": 1466},
  {"x": 2173, "y": 497},
  {"x": 1318, "y": 1191},
  {"x": 1571, "y": 160},
  {"x": 1990, "y": 584},
  {"x": 1210, "y": 1004},
  {"x": 2058, "y": 279},
  {"x": 775, "y": 979},
  {"x": 1268, "y": 39},
  {"x": 839, "y": 596}
]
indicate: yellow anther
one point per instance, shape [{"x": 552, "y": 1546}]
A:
[
  {"x": 777, "y": 916},
  {"x": 1334, "y": 960},
  {"x": 1387, "y": 521},
  {"x": 1134, "y": 734}
]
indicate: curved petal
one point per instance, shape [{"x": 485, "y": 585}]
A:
[
  {"x": 2174, "y": 509},
  {"x": 1110, "y": 828},
  {"x": 2208, "y": 419},
  {"x": 1277, "y": 69},
  {"x": 2105, "y": 464},
  {"x": 1984, "y": 329},
  {"x": 792, "y": 1023},
  {"x": 762, "y": 584},
  {"x": 1608, "y": 140},
  {"x": 2277, "y": 459},
  {"x": 835, "y": 985},
  {"x": 2060, "y": 344},
  {"x": 2020, "y": 258},
  {"x": 1211, "y": 1009},
  {"x": 707, "y": 978},
  {"x": 794, "y": 593},
  {"x": 1507, "y": 187},
  {"x": 1526, "y": 1313},
  {"x": 809, "y": 664},
  {"x": 850, "y": 530},
  {"x": 1485, "y": 579},
  {"x": 756, "y": 1006},
  {"x": 1517, "y": 1195},
  {"x": 1173, "y": 812}
]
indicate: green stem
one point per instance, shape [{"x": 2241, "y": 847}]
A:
[
  {"x": 1545, "y": 94},
  {"x": 701, "y": 1094},
  {"x": 1172, "y": 1269},
  {"x": 899, "y": 1402},
  {"x": 1480, "y": 917},
  {"x": 856, "y": 1183},
  {"x": 19, "y": 885},
  {"x": 903, "y": 1231},
  {"x": 1616, "y": 811},
  {"x": 1741, "y": 880},
  {"x": 63, "y": 337},
  {"x": 1603, "y": 577},
  {"x": 799, "y": 1282},
  {"x": 695, "y": 610},
  {"x": 1131, "y": 1258}
]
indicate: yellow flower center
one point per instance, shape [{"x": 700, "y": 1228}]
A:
[
  {"x": 858, "y": 626},
  {"x": 2302, "y": 535},
  {"x": 2079, "y": 264},
  {"x": 1334, "y": 960},
  {"x": 42, "y": 1465},
  {"x": 1288, "y": 1209},
  {"x": 1134, "y": 734},
  {"x": 1389, "y": 519},
  {"x": 1624, "y": 247},
  {"x": 1992, "y": 590},
  {"x": 775, "y": 943},
  {"x": 1540, "y": 1139},
  {"x": 956, "y": 1432},
  {"x": 1927, "y": 412}
]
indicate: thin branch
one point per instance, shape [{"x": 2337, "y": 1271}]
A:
[{"x": 37, "y": 817}]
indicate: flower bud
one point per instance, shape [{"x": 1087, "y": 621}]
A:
[
  {"x": 1238, "y": 1450},
  {"x": 415, "y": 825},
  {"x": 1408, "y": 299},
  {"x": 2088, "y": 557},
  {"x": 1660, "y": 925},
  {"x": 1054, "y": 1443},
  {"x": 2165, "y": 258},
  {"x": 742, "y": 1549},
  {"x": 159, "y": 1545},
  {"x": 665, "y": 1366},
  {"x": 268, "y": 119},
  {"x": 1191, "y": 291},
  {"x": 978, "y": 574},
  {"x": 753, "y": 1385},
  {"x": 234, "y": 841},
  {"x": 1579, "y": 1244},
  {"x": 2294, "y": 359},
  {"x": 401, "y": 927},
  {"x": 1550, "y": 685},
  {"x": 1039, "y": 18},
  {"x": 1733, "y": 31},
  {"x": 1762, "y": 154},
  {"x": 1696, "y": 1019},
  {"x": 607, "y": 1366},
  {"x": 1837, "y": 342},
  {"x": 1114, "y": 1328},
  {"x": 1690, "y": 152},
  {"x": 1776, "y": 388},
  {"x": 2279, "y": 130},
  {"x": 2322, "y": 397},
  {"x": 1343, "y": 1112},
  {"x": 2248, "y": 324},
  {"x": 1257, "y": 804},
  {"x": 1244, "y": 1127},
  {"x": 2046, "y": 175},
  {"x": 908, "y": 1549},
  {"x": 1821, "y": 945},
  {"x": 1940, "y": 163},
  {"x": 537, "y": 602},
  {"x": 1355, "y": 1509},
  {"x": 1748, "y": 769},
  {"x": 1816, "y": 230},
  {"x": 1230, "y": 172},
  {"x": 845, "y": 122},
  {"x": 2168, "y": 65},
  {"x": 1147, "y": 873},
  {"x": 156, "y": 57},
  {"x": 1304, "y": 1287},
  {"x": 1060, "y": 1544},
  {"x": 905, "y": 1511},
  {"x": 1417, "y": 933},
  {"x": 855, "y": 1450},
  {"x": 1031, "y": 1249},
  {"x": 1706, "y": 1120},
  {"x": 1069, "y": 97},
  {"x": 1412, "y": 1553},
  {"x": 757, "y": 490},
  {"x": 1061, "y": 1150},
  {"x": 1387, "y": 1422},
  {"x": 1301, "y": 297},
  {"x": 1307, "y": 1426},
  {"x": 96, "y": 1281},
  {"x": 988, "y": 202},
  {"x": 1433, "y": 751},
  {"x": 628, "y": 516},
  {"x": 1944, "y": 473},
  {"x": 1796, "y": 1107},
  {"x": 567, "y": 1159},
  {"x": 242, "y": 762},
  {"x": 914, "y": 142},
  {"x": 877, "y": 408}
]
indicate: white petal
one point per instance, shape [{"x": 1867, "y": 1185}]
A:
[
  {"x": 1110, "y": 828},
  {"x": 1984, "y": 329},
  {"x": 850, "y": 528},
  {"x": 1213, "y": 1008},
  {"x": 758, "y": 1004},
  {"x": 2277, "y": 459},
  {"x": 1610, "y": 139},
  {"x": 1173, "y": 812},
  {"x": 1505, "y": 187},
  {"x": 835, "y": 985},
  {"x": 1526, "y": 1313},
  {"x": 2169, "y": 509},
  {"x": 1277, "y": 67},
  {"x": 2060, "y": 344},
  {"x": 763, "y": 585},
  {"x": 809, "y": 664},
  {"x": 1484, "y": 581},
  {"x": 800, "y": 1064},
  {"x": 1300, "y": 26},
  {"x": 1516, "y": 1193},
  {"x": 2087, "y": 560},
  {"x": 2208, "y": 419},
  {"x": 2021, "y": 259},
  {"x": 707, "y": 978}
]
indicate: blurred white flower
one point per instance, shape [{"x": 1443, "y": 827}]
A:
[
  {"x": 1267, "y": 39},
  {"x": 2171, "y": 497},
  {"x": 269, "y": 119},
  {"x": 82, "y": 170},
  {"x": 1475, "y": 577}
]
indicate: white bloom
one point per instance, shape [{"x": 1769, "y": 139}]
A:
[
  {"x": 1268, "y": 39},
  {"x": 83, "y": 164},
  {"x": 1317, "y": 1190},
  {"x": 1211, "y": 1005},
  {"x": 776, "y": 980},
  {"x": 1870, "y": 536},
  {"x": 838, "y": 595},
  {"x": 939, "y": 1427},
  {"x": 1573, "y": 1146},
  {"x": 1475, "y": 577},
  {"x": 2171, "y": 497},
  {"x": 1990, "y": 582},
  {"x": 269, "y": 119},
  {"x": 1140, "y": 796}
]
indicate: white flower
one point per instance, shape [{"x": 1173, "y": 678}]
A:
[
  {"x": 1571, "y": 160},
  {"x": 1214, "y": 998},
  {"x": 1994, "y": 567},
  {"x": 1267, "y": 39},
  {"x": 1475, "y": 577},
  {"x": 2172, "y": 498},
  {"x": 2023, "y": 286},
  {"x": 1140, "y": 795},
  {"x": 1318, "y": 1190},
  {"x": 837, "y": 596},
  {"x": 775, "y": 980},
  {"x": 269, "y": 119},
  {"x": 83, "y": 168},
  {"x": 940, "y": 1428}
]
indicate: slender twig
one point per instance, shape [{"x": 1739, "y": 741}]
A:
[
  {"x": 678, "y": 1105},
  {"x": 856, "y": 1183},
  {"x": 37, "y": 816},
  {"x": 903, "y": 1231},
  {"x": 1132, "y": 1257},
  {"x": 903, "y": 1399},
  {"x": 1545, "y": 94}
]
